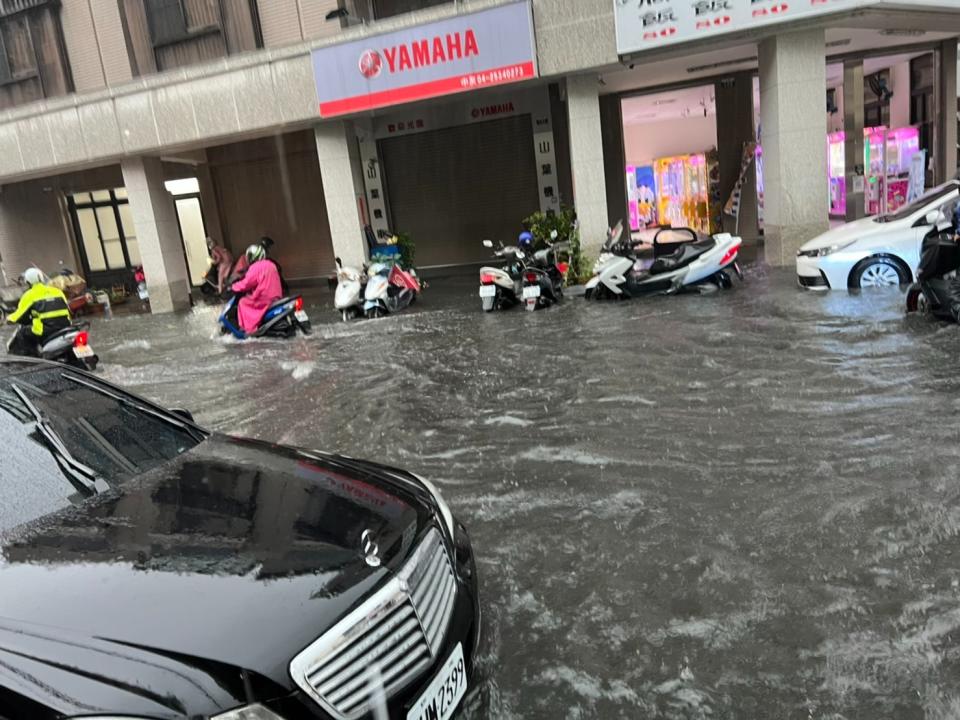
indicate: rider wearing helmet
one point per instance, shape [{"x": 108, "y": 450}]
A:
[
  {"x": 525, "y": 241},
  {"x": 259, "y": 288},
  {"x": 42, "y": 311}
]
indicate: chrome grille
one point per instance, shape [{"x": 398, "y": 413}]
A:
[{"x": 387, "y": 641}]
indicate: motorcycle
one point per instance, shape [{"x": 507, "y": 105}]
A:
[
  {"x": 70, "y": 346},
  {"x": 282, "y": 319},
  {"x": 937, "y": 290},
  {"x": 389, "y": 289},
  {"x": 348, "y": 298},
  {"x": 502, "y": 288},
  {"x": 699, "y": 264},
  {"x": 543, "y": 277}
]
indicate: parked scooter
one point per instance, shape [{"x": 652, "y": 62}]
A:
[
  {"x": 348, "y": 298},
  {"x": 501, "y": 288},
  {"x": 543, "y": 277},
  {"x": 70, "y": 346},
  {"x": 389, "y": 289},
  {"x": 699, "y": 265},
  {"x": 282, "y": 319},
  {"x": 937, "y": 290}
]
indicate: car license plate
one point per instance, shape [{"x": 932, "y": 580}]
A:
[
  {"x": 531, "y": 291},
  {"x": 488, "y": 291},
  {"x": 445, "y": 692},
  {"x": 301, "y": 316},
  {"x": 84, "y": 351}
]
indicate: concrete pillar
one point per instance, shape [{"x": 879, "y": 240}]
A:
[
  {"x": 792, "y": 87},
  {"x": 946, "y": 107},
  {"x": 586, "y": 161},
  {"x": 158, "y": 232},
  {"x": 734, "y": 96},
  {"x": 339, "y": 157},
  {"x": 614, "y": 159},
  {"x": 853, "y": 144}
]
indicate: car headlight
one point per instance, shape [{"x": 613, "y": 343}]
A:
[
  {"x": 249, "y": 712},
  {"x": 829, "y": 250},
  {"x": 441, "y": 503}
]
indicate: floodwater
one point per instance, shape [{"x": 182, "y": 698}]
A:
[{"x": 745, "y": 505}]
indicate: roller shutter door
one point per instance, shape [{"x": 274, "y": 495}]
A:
[{"x": 452, "y": 188}]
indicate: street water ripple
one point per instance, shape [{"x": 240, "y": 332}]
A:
[{"x": 737, "y": 506}]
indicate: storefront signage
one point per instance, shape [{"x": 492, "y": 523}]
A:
[
  {"x": 647, "y": 24},
  {"x": 470, "y": 51}
]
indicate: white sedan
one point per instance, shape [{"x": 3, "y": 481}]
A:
[{"x": 880, "y": 251}]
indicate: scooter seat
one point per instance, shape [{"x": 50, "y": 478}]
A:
[
  {"x": 282, "y": 301},
  {"x": 681, "y": 256},
  {"x": 64, "y": 331}
]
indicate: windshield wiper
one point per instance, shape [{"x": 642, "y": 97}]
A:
[
  {"x": 76, "y": 470},
  {"x": 129, "y": 402}
]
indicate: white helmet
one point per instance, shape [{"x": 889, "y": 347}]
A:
[{"x": 32, "y": 276}]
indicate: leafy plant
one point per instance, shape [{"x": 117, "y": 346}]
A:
[
  {"x": 408, "y": 250},
  {"x": 541, "y": 225}
]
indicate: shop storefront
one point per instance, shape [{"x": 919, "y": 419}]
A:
[
  {"x": 455, "y": 171},
  {"x": 453, "y": 174}
]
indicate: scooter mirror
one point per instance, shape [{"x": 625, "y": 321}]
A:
[{"x": 488, "y": 243}]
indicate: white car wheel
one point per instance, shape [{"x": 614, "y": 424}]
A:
[{"x": 877, "y": 272}]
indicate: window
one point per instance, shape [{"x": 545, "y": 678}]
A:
[
  {"x": 5, "y": 74},
  {"x": 389, "y": 8},
  {"x": 103, "y": 225},
  {"x": 114, "y": 435},
  {"x": 166, "y": 20}
]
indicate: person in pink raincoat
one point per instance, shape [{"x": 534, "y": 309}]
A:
[
  {"x": 259, "y": 288},
  {"x": 222, "y": 260}
]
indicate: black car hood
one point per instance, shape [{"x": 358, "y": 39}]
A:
[{"x": 238, "y": 553}]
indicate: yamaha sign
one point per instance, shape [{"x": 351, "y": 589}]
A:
[{"x": 465, "y": 52}]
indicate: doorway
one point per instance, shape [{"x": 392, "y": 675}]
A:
[{"x": 193, "y": 232}]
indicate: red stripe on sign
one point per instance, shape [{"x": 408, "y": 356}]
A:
[{"x": 434, "y": 88}]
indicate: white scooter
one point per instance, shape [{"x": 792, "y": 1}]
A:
[
  {"x": 389, "y": 289},
  {"x": 70, "y": 346},
  {"x": 698, "y": 264},
  {"x": 348, "y": 298},
  {"x": 501, "y": 288}
]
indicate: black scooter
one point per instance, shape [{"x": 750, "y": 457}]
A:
[
  {"x": 543, "y": 276},
  {"x": 937, "y": 290}
]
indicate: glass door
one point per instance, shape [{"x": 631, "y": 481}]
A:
[
  {"x": 194, "y": 234},
  {"x": 106, "y": 238}
]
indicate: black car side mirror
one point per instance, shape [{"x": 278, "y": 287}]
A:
[{"x": 185, "y": 414}]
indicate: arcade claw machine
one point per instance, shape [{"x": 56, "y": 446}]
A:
[{"x": 683, "y": 198}]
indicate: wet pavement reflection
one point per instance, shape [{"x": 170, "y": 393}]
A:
[{"x": 737, "y": 506}]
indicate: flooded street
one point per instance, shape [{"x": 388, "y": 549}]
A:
[{"x": 738, "y": 506}]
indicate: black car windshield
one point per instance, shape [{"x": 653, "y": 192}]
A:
[
  {"x": 907, "y": 210},
  {"x": 91, "y": 435}
]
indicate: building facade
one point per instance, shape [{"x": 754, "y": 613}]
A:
[{"x": 132, "y": 129}]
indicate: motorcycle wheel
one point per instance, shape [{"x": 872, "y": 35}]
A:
[
  {"x": 707, "y": 288},
  {"x": 345, "y": 316},
  {"x": 723, "y": 280},
  {"x": 914, "y": 295}
]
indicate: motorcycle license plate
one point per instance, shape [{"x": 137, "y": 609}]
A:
[
  {"x": 84, "y": 351},
  {"x": 439, "y": 701},
  {"x": 488, "y": 291},
  {"x": 301, "y": 316},
  {"x": 531, "y": 291}
]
